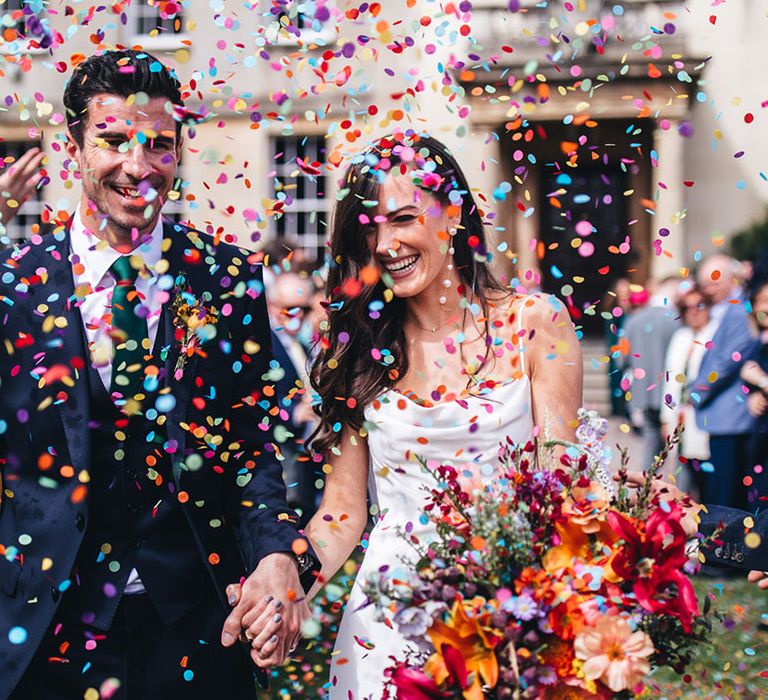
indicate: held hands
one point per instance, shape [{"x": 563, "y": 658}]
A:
[
  {"x": 268, "y": 611},
  {"x": 18, "y": 182}
]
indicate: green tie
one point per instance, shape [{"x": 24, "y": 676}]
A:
[{"x": 130, "y": 339}]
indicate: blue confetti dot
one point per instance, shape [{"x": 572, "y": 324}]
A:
[
  {"x": 189, "y": 674},
  {"x": 17, "y": 635}
]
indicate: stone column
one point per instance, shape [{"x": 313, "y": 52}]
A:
[{"x": 670, "y": 203}]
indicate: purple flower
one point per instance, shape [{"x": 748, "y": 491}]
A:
[
  {"x": 413, "y": 622},
  {"x": 523, "y": 607}
]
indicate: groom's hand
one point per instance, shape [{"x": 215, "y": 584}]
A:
[{"x": 269, "y": 609}]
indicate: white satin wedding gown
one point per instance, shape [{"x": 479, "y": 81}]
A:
[{"x": 465, "y": 433}]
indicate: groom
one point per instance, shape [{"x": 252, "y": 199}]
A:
[{"x": 139, "y": 482}]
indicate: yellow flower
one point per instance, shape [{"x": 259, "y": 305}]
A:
[{"x": 473, "y": 641}]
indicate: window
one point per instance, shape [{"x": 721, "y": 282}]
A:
[
  {"x": 19, "y": 227},
  {"x": 291, "y": 26},
  {"x": 301, "y": 189},
  {"x": 23, "y": 33},
  {"x": 148, "y": 19}
]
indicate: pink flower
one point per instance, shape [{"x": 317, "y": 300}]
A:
[{"x": 613, "y": 653}]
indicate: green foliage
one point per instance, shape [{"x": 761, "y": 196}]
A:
[{"x": 750, "y": 242}]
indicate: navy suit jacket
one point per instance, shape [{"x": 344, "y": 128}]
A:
[
  {"x": 218, "y": 428},
  {"x": 717, "y": 393},
  {"x": 729, "y": 549}
]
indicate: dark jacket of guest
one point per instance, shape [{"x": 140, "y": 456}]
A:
[{"x": 731, "y": 548}]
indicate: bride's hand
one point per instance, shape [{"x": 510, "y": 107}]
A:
[
  {"x": 667, "y": 491},
  {"x": 234, "y": 593}
]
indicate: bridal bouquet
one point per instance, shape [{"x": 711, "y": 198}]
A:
[{"x": 546, "y": 583}]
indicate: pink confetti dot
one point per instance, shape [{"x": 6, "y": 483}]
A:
[
  {"x": 586, "y": 249},
  {"x": 583, "y": 228},
  {"x": 90, "y": 644},
  {"x": 736, "y": 356}
]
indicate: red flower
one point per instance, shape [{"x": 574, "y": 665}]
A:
[
  {"x": 651, "y": 558},
  {"x": 413, "y": 684}
]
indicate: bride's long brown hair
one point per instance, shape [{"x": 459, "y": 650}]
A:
[{"x": 363, "y": 353}]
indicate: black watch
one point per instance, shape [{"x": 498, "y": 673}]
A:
[{"x": 307, "y": 565}]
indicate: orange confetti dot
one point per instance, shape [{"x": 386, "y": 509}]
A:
[
  {"x": 299, "y": 546},
  {"x": 44, "y": 461},
  {"x": 67, "y": 471},
  {"x": 213, "y": 559},
  {"x": 477, "y": 543},
  {"x": 78, "y": 494},
  {"x": 183, "y": 496}
]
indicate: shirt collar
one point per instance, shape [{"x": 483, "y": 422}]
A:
[{"x": 96, "y": 256}]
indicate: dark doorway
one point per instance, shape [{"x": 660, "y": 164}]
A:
[{"x": 592, "y": 209}]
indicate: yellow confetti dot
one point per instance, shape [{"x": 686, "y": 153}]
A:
[
  {"x": 712, "y": 377},
  {"x": 47, "y": 563},
  {"x": 749, "y": 522},
  {"x": 624, "y": 427},
  {"x": 752, "y": 540}
]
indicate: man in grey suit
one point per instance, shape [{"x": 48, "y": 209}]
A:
[{"x": 649, "y": 331}]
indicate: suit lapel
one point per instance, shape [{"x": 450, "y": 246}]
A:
[
  {"x": 175, "y": 241},
  {"x": 63, "y": 338}
]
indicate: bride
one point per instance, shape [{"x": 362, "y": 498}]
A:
[{"x": 426, "y": 355}]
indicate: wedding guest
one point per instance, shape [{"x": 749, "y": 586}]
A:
[
  {"x": 648, "y": 332},
  {"x": 754, "y": 372},
  {"x": 720, "y": 278},
  {"x": 719, "y": 397},
  {"x": 18, "y": 181},
  {"x": 617, "y": 304},
  {"x": 289, "y": 300},
  {"x": 684, "y": 354}
]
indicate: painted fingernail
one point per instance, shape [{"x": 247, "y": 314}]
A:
[
  {"x": 277, "y": 603},
  {"x": 277, "y": 618},
  {"x": 273, "y": 639},
  {"x": 268, "y": 599},
  {"x": 232, "y": 598}
]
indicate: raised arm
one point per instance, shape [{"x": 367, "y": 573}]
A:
[
  {"x": 336, "y": 527},
  {"x": 554, "y": 363}
]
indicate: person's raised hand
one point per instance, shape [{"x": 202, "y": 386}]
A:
[
  {"x": 268, "y": 611},
  {"x": 18, "y": 181},
  {"x": 666, "y": 491},
  {"x": 760, "y": 578}
]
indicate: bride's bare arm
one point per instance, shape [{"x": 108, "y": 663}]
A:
[
  {"x": 336, "y": 527},
  {"x": 554, "y": 363}
]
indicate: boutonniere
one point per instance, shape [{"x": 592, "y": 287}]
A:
[{"x": 193, "y": 321}]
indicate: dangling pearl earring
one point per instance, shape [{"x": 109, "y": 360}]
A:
[{"x": 447, "y": 282}]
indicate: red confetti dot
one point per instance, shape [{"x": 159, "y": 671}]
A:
[{"x": 749, "y": 117}]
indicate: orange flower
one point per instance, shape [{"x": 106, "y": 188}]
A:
[
  {"x": 561, "y": 691},
  {"x": 587, "y": 507},
  {"x": 559, "y": 655},
  {"x": 613, "y": 653},
  {"x": 474, "y": 641},
  {"x": 574, "y": 544}
]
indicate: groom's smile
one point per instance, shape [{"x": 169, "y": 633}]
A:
[{"x": 127, "y": 161}]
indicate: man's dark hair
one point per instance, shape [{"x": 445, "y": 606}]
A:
[{"x": 122, "y": 73}]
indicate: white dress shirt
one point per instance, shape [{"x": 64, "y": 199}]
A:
[{"x": 91, "y": 259}]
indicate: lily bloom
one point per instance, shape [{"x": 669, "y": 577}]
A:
[
  {"x": 652, "y": 558},
  {"x": 474, "y": 642}
]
